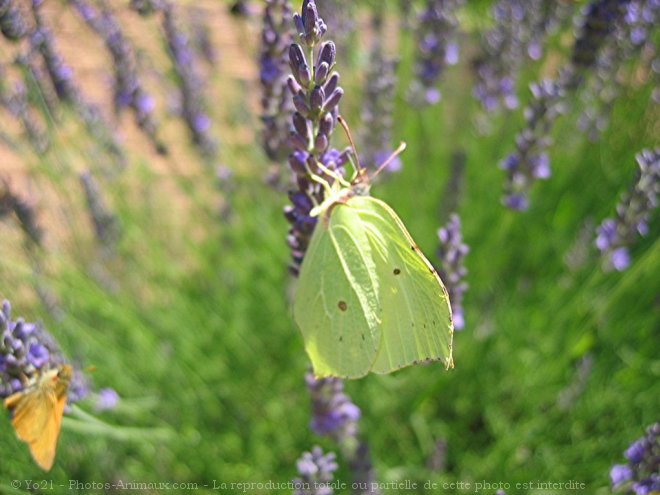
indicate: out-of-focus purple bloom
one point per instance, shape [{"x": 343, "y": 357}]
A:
[
  {"x": 12, "y": 24},
  {"x": 619, "y": 474},
  {"x": 635, "y": 453},
  {"x": 598, "y": 22},
  {"x": 530, "y": 161},
  {"x": 451, "y": 269},
  {"x": 629, "y": 40},
  {"x": 106, "y": 400},
  {"x": 190, "y": 84},
  {"x": 520, "y": 29},
  {"x": 436, "y": 44},
  {"x": 378, "y": 107},
  {"x": 27, "y": 349},
  {"x": 641, "y": 476},
  {"x": 615, "y": 235},
  {"x": 128, "y": 90},
  {"x": 316, "y": 472},
  {"x": 276, "y": 103},
  {"x": 42, "y": 41},
  {"x": 333, "y": 413}
]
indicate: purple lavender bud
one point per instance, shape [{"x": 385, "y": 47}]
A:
[
  {"x": 301, "y": 105},
  {"x": 321, "y": 73},
  {"x": 38, "y": 355},
  {"x": 331, "y": 84},
  {"x": 327, "y": 54},
  {"x": 301, "y": 125},
  {"x": 615, "y": 235},
  {"x": 332, "y": 101},
  {"x": 317, "y": 98}
]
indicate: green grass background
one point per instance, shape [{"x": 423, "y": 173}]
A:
[{"x": 193, "y": 325}]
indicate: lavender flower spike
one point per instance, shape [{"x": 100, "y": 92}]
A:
[
  {"x": 641, "y": 475},
  {"x": 276, "y": 104},
  {"x": 615, "y": 235},
  {"x": 25, "y": 350},
  {"x": 316, "y": 94},
  {"x": 530, "y": 161},
  {"x": 452, "y": 269},
  {"x": 190, "y": 85},
  {"x": 333, "y": 413},
  {"x": 437, "y": 48},
  {"x": 379, "y": 97},
  {"x": 316, "y": 472}
]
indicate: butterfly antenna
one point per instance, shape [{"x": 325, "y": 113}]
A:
[
  {"x": 358, "y": 167},
  {"x": 397, "y": 152}
]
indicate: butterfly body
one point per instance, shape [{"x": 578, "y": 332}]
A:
[
  {"x": 368, "y": 300},
  {"x": 37, "y": 413}
]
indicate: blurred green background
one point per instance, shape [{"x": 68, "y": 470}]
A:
[{"x": 556, "y": 372}]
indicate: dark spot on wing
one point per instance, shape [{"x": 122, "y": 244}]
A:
[
  {"x": 363, "y": 338},
  {"x": 341, "y": 339},
  {"x": 396, "y": 271},
  {"x": 342, "y": 305}
]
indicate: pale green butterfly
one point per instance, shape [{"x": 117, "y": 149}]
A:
[{"x": 367, "y": 299}]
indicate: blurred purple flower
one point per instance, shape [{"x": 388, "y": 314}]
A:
[
  {"x": 106, "y": 400},
  {"x": 378, "y": 107},
  {"x": 641, "y": 476},
  {"x": 190, "y": 84},
  {"x": 451, "y": 269},
  {"x": 436, "y": 48},
  {"x": 615, "y": 235},
  {"x": 316, "y": 472}
]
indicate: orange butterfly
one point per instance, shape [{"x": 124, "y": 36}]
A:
[{"x": 37, "y": 413}]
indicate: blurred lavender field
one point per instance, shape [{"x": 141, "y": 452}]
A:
[{"x": 155, "y": 198}]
